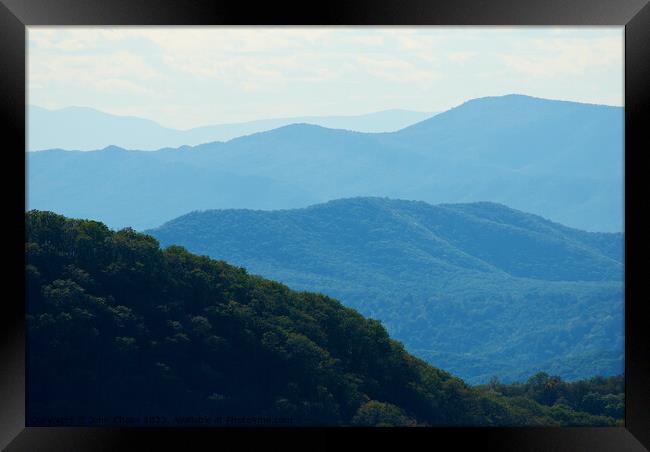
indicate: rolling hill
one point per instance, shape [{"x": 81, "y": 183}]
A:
[
  {"x": 562, "y": 160},
  {"x": 478, "y": 289},
  {"x": 122, "y": 333}
]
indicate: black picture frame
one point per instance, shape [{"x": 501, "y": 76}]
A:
[{"x": 634, "y": 15}]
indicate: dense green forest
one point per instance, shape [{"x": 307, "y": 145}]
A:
[
  {"x": 118, "y": 326},
  {"x": 478, "y": 289},
  {"x": 602, "y": 396}
]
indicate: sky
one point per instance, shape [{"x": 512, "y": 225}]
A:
[{"x": 184, "y": 77}]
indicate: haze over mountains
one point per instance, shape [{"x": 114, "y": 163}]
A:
[
  {"x": 562, "y": 160},
  {"x": 474, "y": 287},
  {"x": 478, "y": 289},
  {"x": 84, "y": 128}
]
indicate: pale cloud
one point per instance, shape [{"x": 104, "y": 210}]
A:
[
  {"x": 91, "y": 67},
  {"x": 75, "y": 39},
  {"x": 369, "y": 40},
  {"x": 188, "y": 76},
  {"x": 567, "y": 57},
  {"x": 420, "y": 42},
  {"x": 461, "y": 57},
  {"x": 396, "y": 70},
  {"x": 228, "y": 40},
  {"x": 120, "y": 87}
]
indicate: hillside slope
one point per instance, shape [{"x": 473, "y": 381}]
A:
[
  {"x": 479, "y": 289},
  {"x": 561, "y": 160},
  {"x": 119, "y": 327}
]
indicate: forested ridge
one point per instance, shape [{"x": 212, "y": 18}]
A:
[
  {"x": 479, "y": 289},
  {"x": 118, "y": 326},
  {"x": 597, "y": 395}
]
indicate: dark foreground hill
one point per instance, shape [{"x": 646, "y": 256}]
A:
[
  {"x": 120, "y": 331},
  {"x": 562, "y": 160},
  {"x": 479, "y": 289}
]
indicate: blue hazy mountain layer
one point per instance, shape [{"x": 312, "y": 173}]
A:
[
  {"x": 83, "y": 128},
  {"x": 131, "y": 188},
  {"x": 562, "y": 160},
  {"x": 479, "y": 289}
]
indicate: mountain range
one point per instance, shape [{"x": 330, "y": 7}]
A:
[
  {"x": 123, "y": 333},
  {"x": 84, "y": 128},
  {"x": 478, "y": 289},
  {"x": 561, "y": 160}
]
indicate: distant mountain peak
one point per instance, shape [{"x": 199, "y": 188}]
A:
[
  {"x": 525, "y": 98},
  {"x": 113, "y": 148},
  {"x": 514, "y": 111},
  {"x": 510, "y": 96},
  {"x": 301, "y": 125},
  {"x": 298, "y": 130}
]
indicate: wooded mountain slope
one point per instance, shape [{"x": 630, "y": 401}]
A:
[
  {"x": 117, "y": 326},
  {"x": 479, "y": 289}
]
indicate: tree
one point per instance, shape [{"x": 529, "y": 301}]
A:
[{"x": 378, "y": 414}]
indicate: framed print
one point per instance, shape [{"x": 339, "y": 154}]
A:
[{"x": 366, "y": 218}]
